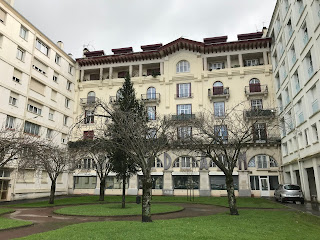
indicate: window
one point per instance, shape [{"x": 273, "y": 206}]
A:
[
  {"x": 65, "y": 120},
  {"x": 184, "y": 90},
  {"x": 184, "y": 132},
  {"x": 184, "y": 109},
  {"x": 259, "y": 132},
  {"x": 151, "y": 112},
  {"x": 113, "y": 183},
  {"x": 57, "y": 59},
  {"x": 216, "y": 66},
  {"x": 85, "y": 182},
  {"x": 305, "y": 35},
  {"x": 254, "y": 182},
  {"x": 69, "y": 84},
  {"x": 87, "y": 163},
  {"x": 254, "y": 85},
  {"x": 262, "y": 161},
  {"x": 219, "y": 110},
  {"x": 273, "y": 163},
  {"x": 152, "y": 133},
  {"x": 88, "y": 116},
  {"x": 273, "y": 182},
  {"x": 217, "y": 88},
  {"x": 1, "y": 40},
  {"x": 53, "y": 95},
  {"x": 314, "y": 99},
  {"x": 157, "y": 163},
  {"x": 42, "y": 47},
  {"x": 296, "y": 82},
  {"x": 51, "y": 113},
  {"x": 315, "y": 132},
  {"x": 63, "y": 138},
  {"x": 252, "y": 62},
  {"x": 187, "y": 162},
  {"x": 219, "y": 182},
  {"x": 2, "y": 16},
  {"x": 10, "y": 122},
  {"x": 286, "y": 96},
  {"x": 88, "y": 135},
  {"x": 293, "y": 54},
  {"x": 70, "y": 69},
  {"x": 20, "y": 54},
  {"x": 212, "y": 164},
  {"x": 31, "y": 128},
  {"x": 23, "y": 32},
  {"x": 300, "y": 6},
  {"x": 299, "y": 112},
  {"x": 256, "y": 104},
  {"x": 283, "y": 71},
  {"x": 33, "y": 109},
  {"x": 306, "y": 136},
  {"x": 13, "y": 100},
  {"x": 186, "y": 182},
  {"x": 309, "y": 64},
  {"x": 151, "y": 93},
  {"x": 67, "y": 103},
  {"x": 49, "y": 133},
  {"x": 289, "y": 28},
  {"x": 221, "y": 132},
  {"x": 17, "y": 75},
  {"x": 183, "y": 66}
]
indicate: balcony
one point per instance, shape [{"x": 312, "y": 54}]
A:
[
  {"x": 259, "y": 113},
  {"x": 150, "y": 98},
  {"x": 183, "y": 95},
  {"x": 89, "y": 101},
  {"x": 256, "y": 90},
  {"x": 218, "y": 92},
  {"x": 183, "y": 117}
]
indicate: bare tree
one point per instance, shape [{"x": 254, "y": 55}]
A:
[
  {"x": 224, "y": 139},
  {"x": 99, "y": 151}
]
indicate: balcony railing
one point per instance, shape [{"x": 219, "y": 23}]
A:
[
  {"x": 256, "y": 89},
  {"x": 260, "y": 113},
  {"x": 218, "y": 92},
  {"x": 183, "y": 95},
  {"x": 152, "y": 97},
  {"x": 89, "y": 101},
  {"x": 183, "y": 117}
]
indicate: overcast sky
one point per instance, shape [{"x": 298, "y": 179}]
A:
[{"x": 107, "y": 24}]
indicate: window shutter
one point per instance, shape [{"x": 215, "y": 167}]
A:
[
  {"x": 189, "y": 89},
  {"x": 177, "y": 90}
]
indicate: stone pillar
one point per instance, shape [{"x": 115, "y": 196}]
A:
[
  {"x": 133, "y": 185},
  {"x": 305, "y": 182},
  {"x": 316, "y": 170},
  {"x": 167, "y": 183},
  {"x": 265, "y": 58},
  {"x": 228, "y": 61},
  {"x": 293, "y": 175},
  {"x": 97, "y": 189},
  {"x": 205, "y": 64},
  {"x": 244, "y": 184},
  {"x": 140, "y": 70},
  {"x": 130, "y": 70},
  {"x": 204, "y": 183},
  {"x": 81, "y": 75},
  {"x": 110, "y": 72},
  {"x": 101, "y": 73},
  {"x": 161, "y": 68},
  {"x": 240, "y": 60}
]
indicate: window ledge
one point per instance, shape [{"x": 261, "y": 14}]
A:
[
  {"x": 316, "y": 142},
  {"x": 308, "y": 146},
  {"x": 301, "y": 123}
]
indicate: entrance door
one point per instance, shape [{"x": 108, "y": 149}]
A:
[
  {"x": 264, "y": 186},
  {"x": 3, "y": 190}
]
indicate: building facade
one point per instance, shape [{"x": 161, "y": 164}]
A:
[
  {"x": 185, "y": 77},
  {"x": 295, "y": 55},
  {"x": 37, "y": 97}
]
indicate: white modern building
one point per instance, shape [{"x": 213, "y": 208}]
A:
[
  {"x": 295, "y": 30},
  {"x": 36, "y": 94}
]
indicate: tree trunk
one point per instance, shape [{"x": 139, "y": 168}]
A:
[
  {"x": 52, "y": 191},
  {"x": 231, "y": 196},
  {"x": 146, "y": 198},
  {"x": 124, "y": 191},
  {"x": 102, "y": 188}
]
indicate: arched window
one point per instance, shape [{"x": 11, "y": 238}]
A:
[
  {"x": 119, "y": 95},
  {"x": 254, "y": 85},
  {"x": 157, "y": 163},
  {"x": 176, "y": 163},
  {"x": 151, "y": 93},
  {"x": 252, "y": 162},
  {"x": 183, "y": 66},
  {"x": 217, "y": 88},
  {"x": 91, "y": 97},
  {"x": 273, "y": 163},
  {"x": 212, "y": 164}
]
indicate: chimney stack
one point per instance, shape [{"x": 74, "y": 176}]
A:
[{"x": 60, "y": 45}]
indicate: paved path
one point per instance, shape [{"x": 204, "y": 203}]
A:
[
  {"x": 45, "y": 220},
  {"x": 312, "y": 208}
]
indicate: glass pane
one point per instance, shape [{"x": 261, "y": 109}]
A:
[{"x": 264, "y": 185}]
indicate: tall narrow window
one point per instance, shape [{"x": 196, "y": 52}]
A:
[
  {"x": 184, "y": 90},
  {"x": 10, "y": 122},
  {"x": 151, "y": 93},
  {"x": 23, "y": 33},
  {"x": 151, "y": 112},
  {"x": 183, "y": 66},
  {"x": 184, "y": 132},
  {"x": 219, "y": 109},
  {"x": 259, "y": 132},
  {"x": 57, "y": 59},
  {"x": 305, "y": 35},
  {"x": 314, "y": 99},
  {"x": 20, "y": 54},
  {"x": 256, "y": 104},
  {"x": 42, "y": 47}
]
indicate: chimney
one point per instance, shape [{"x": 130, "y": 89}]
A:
[
  {"x": 70, "y": 55},
  {"x": 60, "y": 45},
  {"x": 264, "y": 31},
  {"x": 11, "y": 2},
  {"x": 85, "y": 50}
]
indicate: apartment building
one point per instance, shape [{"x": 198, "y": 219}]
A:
[
  {"x": 37, "y": 96},
  {"x": 181, "y": 79},
  {"x": 295, "y": 52}
]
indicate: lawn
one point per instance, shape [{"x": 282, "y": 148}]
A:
[
  {"x": 6, "y": 223},
  {"x": 250, "y": 224},
  {"x": 115, "y": 209},
  {"x": 218, "y": 201}
]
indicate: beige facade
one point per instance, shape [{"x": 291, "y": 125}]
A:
[
  {"x": 295, "y": 55},
  {"x": 187, "y": 77},
  {"x": 37, "y": 96}
]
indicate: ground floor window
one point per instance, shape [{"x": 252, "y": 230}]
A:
[
  {"x": 114, "y": 183},
  {"x": 274, "y": 182},
  {"x": 157, "y": 182},
  {"x": 85, "y": 182},
  {"x": 4, "y": 189},
  {"x": 255, "y": 182},
  {"x": 219, "y": 182},
  {"x": 186, "y": 182}
]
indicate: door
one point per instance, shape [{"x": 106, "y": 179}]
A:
[
  {"x": 3, "y": 189},
  {"x": 264, "y": 186}
]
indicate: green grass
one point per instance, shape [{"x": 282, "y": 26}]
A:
[
  {"x": 115, "y": 209},
  {"x": 250, "y": 224},
  {"x": 218, "y": 201},
  {"x": 6, "y": 223}
]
